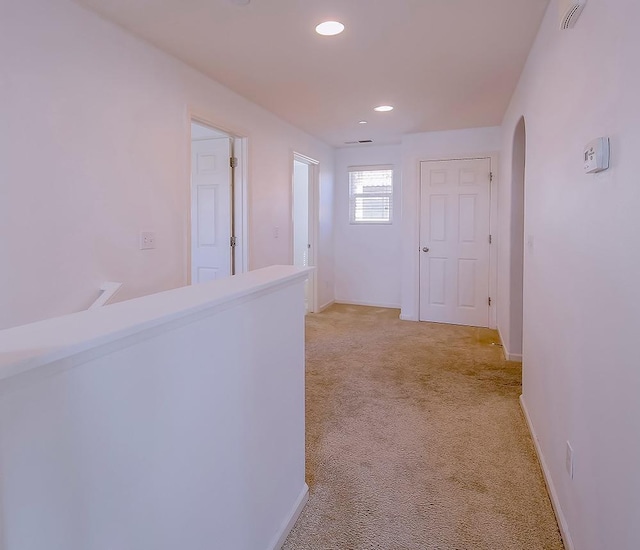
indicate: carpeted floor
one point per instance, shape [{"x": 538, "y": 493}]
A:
[{"x": 416, "y": 440}]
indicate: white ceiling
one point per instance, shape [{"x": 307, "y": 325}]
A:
[{"x": 443, "y": 64}]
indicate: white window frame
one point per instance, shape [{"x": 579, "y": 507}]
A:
[{"x": 352, "y": 196}]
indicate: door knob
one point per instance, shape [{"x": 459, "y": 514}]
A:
[{"x": 425, "y": 249}]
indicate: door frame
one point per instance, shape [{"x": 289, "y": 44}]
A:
[
  {"x": 314, "y": 230},
  {"x": 514, "y": 347},
  {"x": 493, "y": 228},
  {"x": 239, "y": 175}
]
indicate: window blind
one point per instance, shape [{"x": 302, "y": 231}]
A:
[{"x": 371, "y": 195}]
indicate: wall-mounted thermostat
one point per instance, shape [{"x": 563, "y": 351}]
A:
[{"x": 596, "y": 155}]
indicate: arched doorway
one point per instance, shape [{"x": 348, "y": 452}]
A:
[{"x": 518, "y": 168}]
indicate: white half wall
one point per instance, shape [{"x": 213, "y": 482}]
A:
[
  {"x": 581, "y": 291},
  {"x": 452, "y": 144},
  {"x": 367, "y": 257},
  {"x": 174, "y": 420},
  {"x": 94, "y": 149}
]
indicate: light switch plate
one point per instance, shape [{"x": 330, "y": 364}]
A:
[{"x": 596, "y": 155}]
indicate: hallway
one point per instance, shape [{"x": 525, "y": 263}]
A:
[{"x": 416, "y": 440}]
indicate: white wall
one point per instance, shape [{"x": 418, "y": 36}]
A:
[
  {"x": 367, "y": 257},
  {"x": 110, "y": 158},
  {"x": 151, "y": 424},
  {"x": 581, "y": 291},
  {"x": 325, "y": 278},
  {"x": 430, "y": 146}
]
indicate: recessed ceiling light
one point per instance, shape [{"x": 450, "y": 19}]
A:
[
  {"x": 384, "y": 108},
  {"x": 330, "y": 28},
  {"x": 362, "y": 122}
]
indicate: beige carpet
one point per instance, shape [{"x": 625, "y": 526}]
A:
[{"x": 416, "y": 440}]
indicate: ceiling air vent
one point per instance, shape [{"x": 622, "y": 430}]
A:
[
  {"x": 359, "y": 141},
  {"x": 570, "y": 10}
]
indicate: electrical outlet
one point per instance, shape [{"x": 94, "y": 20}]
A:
[
  {"x": 276, "y": 232},
  {"x": 569, "y": 460},
  {"x": 147, "y": 240}
]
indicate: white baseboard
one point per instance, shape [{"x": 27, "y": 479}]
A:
[
  {"x": 288, "y": 524},
  {"x": 407, "y": 318},
  {"x": 368, "y": 304},
  {"x": 555, "y": 502},
  {"x": 507, "y": 355},
  {"x": 326, "y": 306}
]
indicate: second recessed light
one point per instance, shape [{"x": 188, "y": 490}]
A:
[
  {"x": 383, "y": 108},
  {"x": 330, "y": 28}
]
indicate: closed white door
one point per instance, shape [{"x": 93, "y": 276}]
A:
[
  {"x": 210, "y": 209},
  {"x": 454, "y": 241}
]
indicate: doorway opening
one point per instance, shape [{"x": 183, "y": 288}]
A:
[
  {"x": 305, "y": 186},
  {"x": 216, "y": 236},
  {"x": 516, "y": 290}
]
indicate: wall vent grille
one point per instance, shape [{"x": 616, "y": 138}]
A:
[{"x": 569, "y": 13}]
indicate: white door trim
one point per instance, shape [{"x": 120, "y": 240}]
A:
[
  {"x": 240, "y": 193},
  {"x": 493, "y": 225},
  {"x": 241, "y": 204},
  {"x": 314, "y": 230}
]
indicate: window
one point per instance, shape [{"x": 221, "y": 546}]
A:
[{"x": 371, "y": 194}]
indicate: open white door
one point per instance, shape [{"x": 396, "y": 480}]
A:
[
  {"x": 210, "y": 209},
  {"x": 304, "y": 218},
  {"x": 301, "y": 236},
  {"x": 454, "y": 241}
]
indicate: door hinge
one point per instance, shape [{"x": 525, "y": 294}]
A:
[
  {"x": 489, "y": 302},
  {"x": 490, "y": 177},
  {"x": 233, "y": 162},
  {"x": 233, "y": 241},
  {"x": 490, "y": 239}
]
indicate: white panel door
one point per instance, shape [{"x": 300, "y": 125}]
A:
[
  {"x": 210, "y": 209},
  {"x": 454, "y": 241}
]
